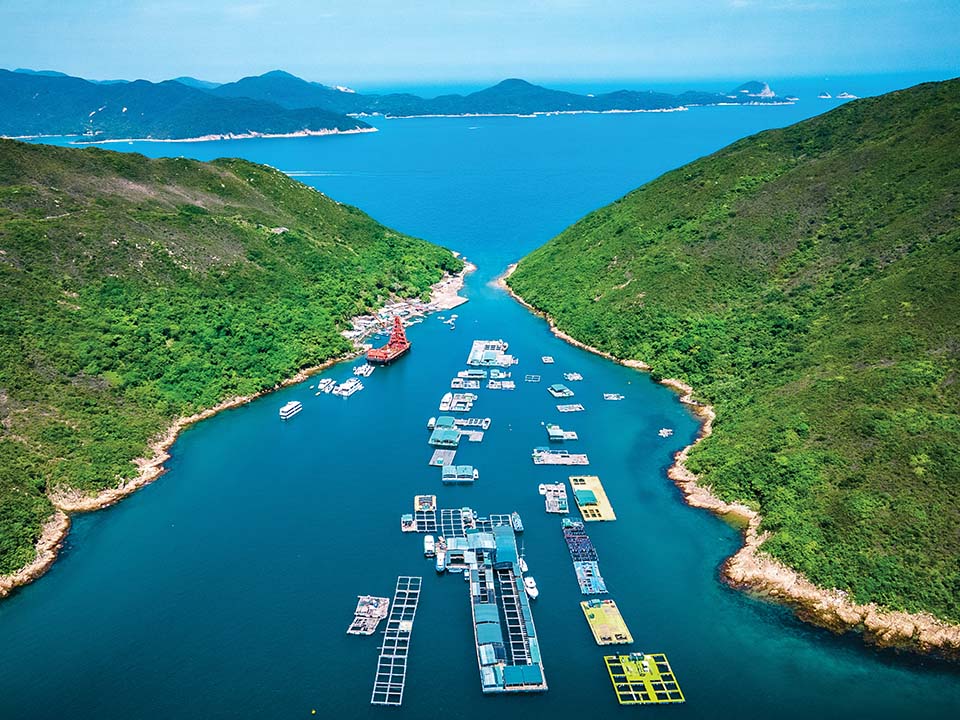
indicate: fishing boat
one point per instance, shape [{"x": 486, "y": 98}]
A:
[
  {"x": 431, "y": 423},
  {"x": 485, "y": 424},
  {"x": 445, "y": 402},
  {"x": 441, "y": 551},
  {"x": 522, "y": 564},
  {"x": 396, "y": 346},
  {"x": 516, "y": 522},
  {"x": 429, "y": 548},
  {"x": 530, "y": 585},
  {"x": 290, "y": 409},
  {"x": 542, "y": 489}
]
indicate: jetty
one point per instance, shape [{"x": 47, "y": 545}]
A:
[
  {"x": 643, "y": 678},
  {"x": 584, "y": 556},
  {"x": 370, "y": 611},
  {"x": 548, "y": 456},
  {"x": 490, "y": 353},
  {"x": 391, "y": 674},
  {"x": 555, "y": 498},
  {"x": 606, "y": 623},
  {"x": 483, "y": 423},
  {"x": 576, "y": 407},
  {"x": 555, "y": 433},
  {"x": 591, "y": 498}
]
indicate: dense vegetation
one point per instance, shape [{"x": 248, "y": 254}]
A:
[
  {"x": 508, "y": 97},
  {"x": 133, "y": 291},
  {"x": 804, "y": 281},
  {"x": 52, "y": 104}
]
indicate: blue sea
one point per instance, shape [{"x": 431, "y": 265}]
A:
[{"x": 224, "y": 589}]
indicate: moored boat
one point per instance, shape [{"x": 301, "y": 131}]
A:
[
  {"x": 429, "y": 548},
  {"x": 530, "y": 585},
  {"x": 396, "y": 346},
  {"x": 441, "y": 552},
  {"x": 431, "y": 423},
  {"x": 445, "y": 402},
  {"x": 516, "y": 522}
]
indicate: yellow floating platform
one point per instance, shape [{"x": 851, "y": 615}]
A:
[
  {"x": 642, "y": 679},
  {"x": 591, "y": 499},
  {"x": 606, "y": 623}
]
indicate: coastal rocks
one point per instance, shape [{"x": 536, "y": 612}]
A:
[
  {"x": 52, "y": 535},
  {"x": 444, "y": 293},
  {"x": 752, "y": 570}
]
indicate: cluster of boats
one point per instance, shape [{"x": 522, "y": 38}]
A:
[
  {"x": 364, "y": 370},
  {"x": 348, "y": 387},
  {"x": 457, "y": 402}
]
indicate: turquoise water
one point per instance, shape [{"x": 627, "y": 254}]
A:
[{"x": 224, "y": 589}]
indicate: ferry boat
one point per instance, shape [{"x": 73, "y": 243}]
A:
[
  {"x": 396, "y": 346},
  {"x": 516, "y": 522},
  {"x": 348, "y": 388},
  {"x": 290, "y": 409},
  {"x": 530, "y": 585},
  {"x": 429, "y": 548},
  {"x": 445, "y": 402}
]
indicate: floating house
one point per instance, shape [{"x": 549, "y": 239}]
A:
[{"x": 490, "y": 353}]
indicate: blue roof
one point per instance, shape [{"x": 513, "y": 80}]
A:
[
  {"x": 585, "y": 497},
  {"x": 513, "y": 675},
  {"x": 486, "y": 612},
  {"x": 445, "y": 421},
  {"x": 488, "y": 632}
]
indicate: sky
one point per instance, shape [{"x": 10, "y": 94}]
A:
[{"x": 366, "y": 43}]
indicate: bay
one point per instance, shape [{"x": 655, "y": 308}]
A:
[{"x": 224, "y": 589}]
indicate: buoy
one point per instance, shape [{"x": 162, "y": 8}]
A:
[{"x": 313, "y": 712}]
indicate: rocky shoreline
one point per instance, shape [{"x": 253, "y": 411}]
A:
[
  {"x": 68, "y": 500},
  {"x": 752, "y": 570}
]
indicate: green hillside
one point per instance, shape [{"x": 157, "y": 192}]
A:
[
  {"x": 804, "y": 281},
  {"x": 133, "y": 291}
]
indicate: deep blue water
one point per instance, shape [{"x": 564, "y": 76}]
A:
[{"x": 224, "y": 589}]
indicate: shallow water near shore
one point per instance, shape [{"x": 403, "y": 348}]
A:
[{"x": 224, "y": 589}]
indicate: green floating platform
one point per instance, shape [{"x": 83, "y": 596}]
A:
[{"x": 643, "y": 679}]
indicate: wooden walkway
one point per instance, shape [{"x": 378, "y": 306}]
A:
[{"x": 392, "y": 665}]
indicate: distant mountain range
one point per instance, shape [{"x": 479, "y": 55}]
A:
[
  {"x": 510, "y": 97},
  {"x": 48, "y": 102}
]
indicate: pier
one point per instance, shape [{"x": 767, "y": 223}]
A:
[
  {"x": 370, "y": 611},
  {"x": 584, "y": 556},
  {"x": 606, "y": 623},
  {"x": 392, "y": 665},
  {"x": 490, "y": 353},
  {"x": 546, "y": 456},
  {"x": 555, "y": 498},
  {"x": 641, "y": 679},
  {"x": 591, "y": 498}
]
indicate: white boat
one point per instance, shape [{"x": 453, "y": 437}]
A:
[
  {"x": 290, "y": 409},
  {"x": 485, "y": 424},
  {"x": 530, "y": 585},
  {"x": 429, "y": 548},
  {"x": 522, "y": 564},
  {"x": 542, "y": 489},
  {"x": 547, "y": 360},
  {"x": 476, "y": 474},
  {"x": 665, "y": 432},
  {"x": 445, "y": 402},
  {"x": 348, "y": 388},
  {"x": 441, "y": 550},
  {"x": 613, "y": 396},
  {"x": 431, "y": 423}
]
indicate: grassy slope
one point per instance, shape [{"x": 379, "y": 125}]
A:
[
  {"x": 806, "y": 282},
  {"x": 134, "y": 290}
]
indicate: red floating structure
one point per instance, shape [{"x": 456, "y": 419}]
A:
[{"x": 396, "y": 346}]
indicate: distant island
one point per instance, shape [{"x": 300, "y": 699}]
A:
[
  {"x": 47, "y": 103},
  {"x": 802, "y": 281},
  {"x": 40, "y": 103}
]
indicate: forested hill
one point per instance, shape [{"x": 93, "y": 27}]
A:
[
  {"x": 56, "y": 104},
  {"x": 133, "y": 291},
  {"x": 805, "y": 281}
]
